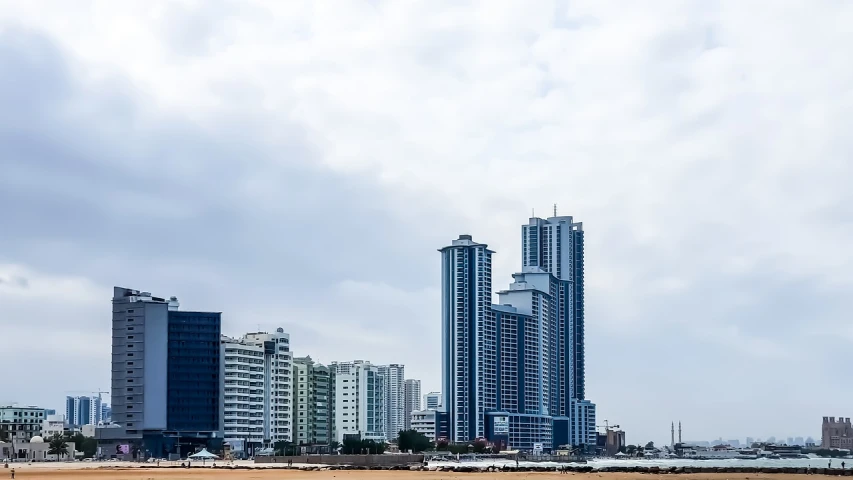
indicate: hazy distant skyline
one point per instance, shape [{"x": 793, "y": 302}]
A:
[{"x": 298, "y": 164}]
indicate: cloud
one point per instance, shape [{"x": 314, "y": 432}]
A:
[{"x": 298, "y": 164}]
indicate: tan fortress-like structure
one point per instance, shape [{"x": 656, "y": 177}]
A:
[{"x": 836, "y": 433}]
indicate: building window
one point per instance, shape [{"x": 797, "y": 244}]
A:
[
  {"x": 130, "y": 328},
  {"x": 130, "y": 354},
  {"x": 130, "y": 337}
]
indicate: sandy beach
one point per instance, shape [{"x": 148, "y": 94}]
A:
[{"x": 80, "y": 471}]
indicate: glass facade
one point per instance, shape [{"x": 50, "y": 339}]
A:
[{"x": 193, "y": 375}]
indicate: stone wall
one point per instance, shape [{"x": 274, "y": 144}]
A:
[{"x": 358, "y": 460}]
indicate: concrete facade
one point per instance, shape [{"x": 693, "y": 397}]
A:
[
  {"x": 424, "y": 422},
  {"x": 412, "y": 401},
  {"x": 257, "y": 394},
  {"x": 395, "y": 398},
  {"x": 359, "y": 399},
  {"x": 166, "y": 375},
  {"x": 837, "y": 433},
  {"x": 313, "y": 402},
  {"x": 21, "y": 423},
  {"x": 432, "y": 401}
]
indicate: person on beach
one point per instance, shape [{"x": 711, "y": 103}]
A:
[
  {"x": 13, "y": 473},
  {"x": 842, "y": 465}
]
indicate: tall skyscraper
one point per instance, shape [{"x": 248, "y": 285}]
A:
[
  {"x": 166, "y": 378},
  {"x": 513, "y": 372},
  {"x": 395, "y": 418},
  {"x": 556, "y": 245},
  {"x": 467, "y": 356},
  {"x": 257, "y": 390},
  {"x": 359, "y": 401},
  {"x": 412, "y": 401},
  {"x": 432, "y": 401}
]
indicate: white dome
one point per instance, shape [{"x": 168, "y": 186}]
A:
[{"x": 36, "y": 439}]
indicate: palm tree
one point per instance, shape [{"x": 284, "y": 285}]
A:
[{"x": 58, "y": 446}]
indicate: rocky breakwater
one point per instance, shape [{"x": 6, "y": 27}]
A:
[{"x": 569, "y": 468}]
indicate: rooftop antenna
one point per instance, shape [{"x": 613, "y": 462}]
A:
[
  {"x": 555, "y": 209},
  {"x": 533, "y": 212}
]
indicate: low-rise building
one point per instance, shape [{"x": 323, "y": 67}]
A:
[
  {"x": 35, "y": 450},
  {"x": 53, "y": 424},
  {"x": 20, "y": 423},
  {"x": 425, "y": 422}
]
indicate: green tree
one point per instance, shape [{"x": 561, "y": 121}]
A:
[
  {"x": 58, "y": 446},
  {"x": 414, "y": 441},
  {"x": 441, "y": 445},
  {"x": 283, "y": 448},
  {"x": 479, "y": 446},
  {"x": 650, "y": 446}
]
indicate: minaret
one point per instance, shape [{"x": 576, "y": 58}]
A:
[
  {"x": 672, "y": 442},
  {"x": 679, "y": 431}
]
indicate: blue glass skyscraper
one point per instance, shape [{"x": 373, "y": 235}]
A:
[{"x": 513, "y": 372}]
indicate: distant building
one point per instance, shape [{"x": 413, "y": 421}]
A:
[
  {"x": 583, "y": 423},
  {"x": 749, "y": 441},
  {"x": 21, "y": 423},
  {"x": 424, "y": 421},
  {"x": 836, "y": 433},
  {"x": 54, "y": 424},
  {"x": 360, "y": 398},
  {"x": 49, "y": 411},
  {"x": 412, "y": 401},
  {"x": 313, "y": 402},
  {"x": 799, "y": 441},
  {"x": 614, "y": 442},
  {"x": 106, "y": 413},
  {"x": 82, "y": 410},
  {"x": 395, "y": 397},
  {"x": 256, "y": 396},
  {"x": 432, "y": 401},
  {"x": 733, "y": 443}
]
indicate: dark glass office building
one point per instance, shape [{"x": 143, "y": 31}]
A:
[{"x": 166, "y": 377}]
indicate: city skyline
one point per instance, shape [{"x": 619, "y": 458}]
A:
[{"x": 298, "y": 168}]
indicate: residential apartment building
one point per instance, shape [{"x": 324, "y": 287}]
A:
[
  {"x": 412, "y": 401},
  {"x": 424, "y": 422},
  {"x": 513, "y": 372},
  {"x": 166, "y": 375},
  {"x": 20, "y": 423},
  {"x": 83, "y": 410},
  {"x": 360, "y": 401},
  {"x": 395, "y": 395},
  {"x": 54, "y": 424},
  {"x": 432, "y": 401},
  {"x": 313, "y": 402},
  {"x": 257, "y": 393}
]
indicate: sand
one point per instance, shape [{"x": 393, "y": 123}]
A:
[{"x": 82, "y": 471}]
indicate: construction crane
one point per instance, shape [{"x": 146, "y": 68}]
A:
[
  {"x": 99, "y": 392},
  {"x": 607, "y": 427}
]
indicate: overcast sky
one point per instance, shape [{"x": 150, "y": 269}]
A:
[{"x": 297, "y": 164}]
